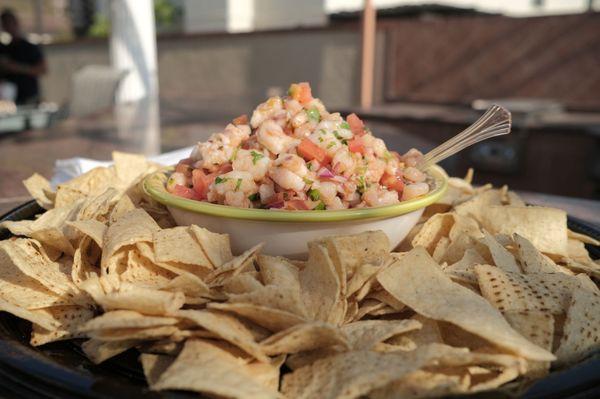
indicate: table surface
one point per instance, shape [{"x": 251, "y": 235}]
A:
[{"x": 24, "y": 153}]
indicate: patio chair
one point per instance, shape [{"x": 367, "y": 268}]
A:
[{"x": 94, "y": 89}]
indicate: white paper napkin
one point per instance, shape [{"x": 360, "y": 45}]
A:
[{"x": 66, "y": 169}]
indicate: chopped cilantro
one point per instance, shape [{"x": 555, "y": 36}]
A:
[
  {"x": 345, "y": 125},
  {"x": 307, "y": 181},
  {"x": 314, "y": 114},
  {"x": 235, "y": 152},
  {"x": 337, "y": 135},
  {"x": 238, "y": 184},
  {"x": 309, "y": 166},
  {"x": 387, "y": 156},
  {"x": 220, "y": 180},
  {"x": 314, "y": 194},
  {"x": 256, "y": 156},
  {"x": 362, "y": 185},
  {"x": 331, "y": 144},
  {"x": 322, "y": 131},
  {"x": 253, "y": 197},
  {"x": 320, "y": 139},
  {"x": 320, "y": 207},
  {"x": 345, "y": 141}
]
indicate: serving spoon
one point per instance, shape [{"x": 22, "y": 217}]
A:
[{"x": 495, "y": 122}]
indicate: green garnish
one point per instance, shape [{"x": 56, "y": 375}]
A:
[
  {"x": 337, "y": 135},
  {"x": 320, "y": 139},
  {"x": 345, "y": 125},
  {"x": 234, "y": 155},
  {"x": 238, "y": 184},
  {"x": 330, "y": 144},
  {"x": 253, "y": 197},
  {"x": 362, "y": 185},
  {"x": 309, "y": 166},
  {"x": 314, "y": 194},
  {"x": 314, "y": 114},
  {"x": 320, "y": 207},
  {"x": 256, "y": 156},
  {"x": 387, "y": 156},
  {"x": 307, "y": 181},
  {"x": 220, "y": 180},
  {"x": 322, "y": 131}
]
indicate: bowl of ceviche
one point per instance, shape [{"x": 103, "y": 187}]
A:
[{"x": 293, "y": 172}]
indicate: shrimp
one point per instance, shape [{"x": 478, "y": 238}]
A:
[
  {"x": 415, "y": 175},
  {"x": 293, "y": 163},
  {"x": 253, "y": 161},
  {"x": 287, "y": 179},
  {"x": 343, "y": 162},
  {"x": 375, "y": 169},
  {"x": 327, "y": 191},
  {"x": 234, "y": 181},
  {"x": 270, "y": 109},
  {"x": 271, "y": 136},
  {"x": 266, "y": 191},
  {"x": 414, "y": 190},
  {"x": 220, "y": 146},
  {"x": 379, "y": 196}
]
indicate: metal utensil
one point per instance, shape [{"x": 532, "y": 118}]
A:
[{"x": 495, "y": 122}]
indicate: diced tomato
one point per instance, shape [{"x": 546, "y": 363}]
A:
[
  {"x": 356, "y": 145},
  {"x": 392, "y": 182},
  {"x": 241, "y": 120},
  {"x": 309, "y": 151},
  {"x": 356, "y": 125},
  {"x": 201, "y": 181},
  {"x": 301, "y": 92},
  {"x": 186, "y": 192},
  {"x": 297, "y": 205}
]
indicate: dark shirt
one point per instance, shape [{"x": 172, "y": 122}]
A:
[{"x": 23, "y": 52}]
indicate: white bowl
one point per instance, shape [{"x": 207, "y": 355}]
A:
[{"x": 286, "y": 233}]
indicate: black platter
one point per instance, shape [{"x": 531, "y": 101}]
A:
[{"x": 60, "y": 369}]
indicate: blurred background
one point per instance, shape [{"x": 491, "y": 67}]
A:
[{"x": 153, "y": 76}]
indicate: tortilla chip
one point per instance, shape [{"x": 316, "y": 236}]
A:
[
  {"x": 205, "y": 368},
  {"x": 368, "y": 307},
  {"x": 126, "y": 319},
  {"x": 347, "y": 252},
  {"x": 234, "y": 266},
  {"x": 130, "y": 228},
  {"x": 38, "y": 187},
  {"x": 537, "y": 327},
  {"x": 143, "y": 272},
  {"x": 124, "y": 205},
  {"x": 154, "y": 366},
  {"x": 267, "y": 374},
  {"x": 70, "y": 318},
  {"x": 357, "y": 373},
  {"x": 546, "y": 228},
  {"x": 188, "y": 284},
  {"x": 321, "y": 289},
  {"x": 422, "y": 383},
  {"x": 131, "y": 297},
  {"x": 477, "y": 206},
  {"x": 463, "y": 271},
  {"x": 501, "y": 256},
  {"x": 366, "y": 334},
  {"x": 532, "y": 260},
  {"x": 583, "y": 238},
  {"x": 429, "y": 333},
  {"x": 28, "y": 256},
  {"x": 178, "y": 245},
  {"x": 138, "y": 334},
  {"x": 91, "y": 228},
  {"x": 42, "y": 319},
  {"x": 303, "y": 337},
  {"x": 129, "y": 167},
  {"x": 361, "y": 275},
  {"x": 270, "y": 318},
  {"x": 433, "y": 230},
  {"x": 98, "y": 351},
  {"x": 440, "y": 249},
  {"x": 417, "y": 281},
  {"x": 216, "y": 246},
  {"x": 385, "y": 297},
  {"x": 227, "y": 328},
  {"x": 525, "y": 292},
  {"x": 581, "y": 335}
]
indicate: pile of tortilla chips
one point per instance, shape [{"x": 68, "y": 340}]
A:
[{"x": 485, "y": 291}]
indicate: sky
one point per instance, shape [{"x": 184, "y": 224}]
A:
[{"x": 509, "y": 7}]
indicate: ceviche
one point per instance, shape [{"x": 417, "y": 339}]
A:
[{"x": 293, "y": 154}]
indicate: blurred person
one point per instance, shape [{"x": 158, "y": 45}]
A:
[{"x": 21, "y": 62}]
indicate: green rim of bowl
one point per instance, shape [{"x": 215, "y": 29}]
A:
[{"x": 154, "y": 186}]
